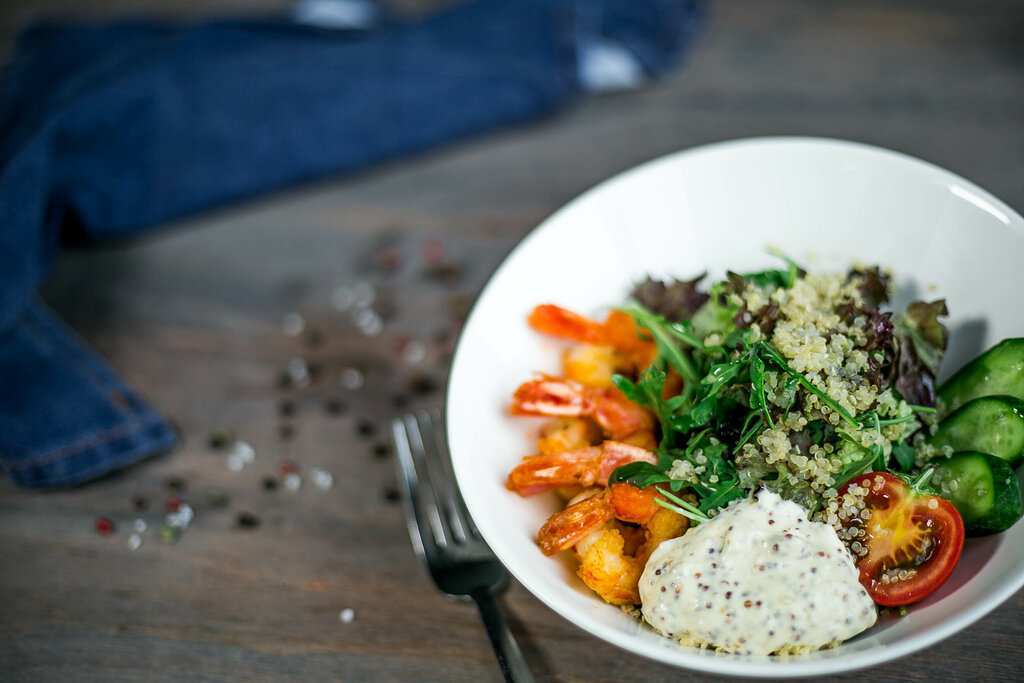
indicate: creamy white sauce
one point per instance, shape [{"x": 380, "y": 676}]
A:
[{"x": 757, "y": 578}]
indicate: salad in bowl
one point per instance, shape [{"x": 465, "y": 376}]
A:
[
  {"x": 835, "y": 427},
  {"x": 753, "y": 467}
]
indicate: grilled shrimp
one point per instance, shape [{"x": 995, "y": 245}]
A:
[
  {"x": 552, "y": 396},
  {"x": 568, "y": 434},
  {"x": 582, "y": 467},
  {"x": 618, "y": 331},
  {"x": 605, "y": 565},
  {"x": 613, "y": 573}
]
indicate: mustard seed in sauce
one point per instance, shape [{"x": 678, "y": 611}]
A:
[{"x": 817, "y": 611}]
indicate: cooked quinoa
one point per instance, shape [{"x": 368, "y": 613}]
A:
[{"x": 818, "y": 341}]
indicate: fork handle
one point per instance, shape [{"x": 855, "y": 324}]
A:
[{"x": 506, "y": 649}]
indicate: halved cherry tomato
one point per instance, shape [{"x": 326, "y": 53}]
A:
[{"x": 913, "y": 540}]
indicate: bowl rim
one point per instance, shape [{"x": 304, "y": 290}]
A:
[{"x": 737, "y": 665}]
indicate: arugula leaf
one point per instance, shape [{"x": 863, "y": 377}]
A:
[
  {"x": 819, "y": 431},
  {"x": 863, "y": 459},
  {"x": 640, "y": 474},
  {"x": 789, "y": 386},
  {"x": 646, "y": 392},
  {"x": 719, "y": 377},
  {"x": 721, "y": 496},
  {"x": 794, "y": 271},
  {"x": 682, "y": 330},
  {"x": 664, "y": 334},
  {"x": 773, "y": 279},
  {"x": 681, "y": 507},
  {"x": 715, "y": 316},
  {"x": 757, "y": 388},
  {"x": 737, "y": 339},
  {"x": 749, "y": 430},
  {"x": 718, "y": 484},
  {"x": 905, "y": 456}
]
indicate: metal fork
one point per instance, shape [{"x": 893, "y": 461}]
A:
[{"x": 444, "y": 537}]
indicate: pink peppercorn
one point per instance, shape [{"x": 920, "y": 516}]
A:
[
  {"x": 389, "y": 258},
  {"x": 432, "y": 250}
]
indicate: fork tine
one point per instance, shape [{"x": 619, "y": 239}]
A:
[
  {"x": 437, "y": 458},
  {"x": 424, "y": 460},
  {"x": 417, "y": 517}
]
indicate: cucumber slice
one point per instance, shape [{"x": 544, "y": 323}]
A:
[
  {"x": 1000, "y": 370},
  {"x": 990, "y": 424},
  {"x": 983, "y": 489}
]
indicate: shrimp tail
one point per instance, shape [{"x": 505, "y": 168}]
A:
[
  {"x": 550, "y": 396},
  {"x": 632, "y": 504},
  {"x": 538, "y": 473},
  {"x": 564, "y": 529},
  {"x": 560, "y": 322}
]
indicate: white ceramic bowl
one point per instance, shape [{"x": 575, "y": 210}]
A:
[{"x": 823, "y": 202}]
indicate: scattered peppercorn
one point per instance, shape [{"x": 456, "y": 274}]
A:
[
  {"x": 334, "y": 407},
  {"x": 220, "y": 439},
  {"x": 399, "y": 342},
  {"x": 314, "y": 338},
  {"x": 389, "y": 258},
  {"x": 432, "y": 250},
  {"x": 169, "y": 534},
  {"x": 247, "y": 520},
  {"x": 216, "y": 499},
  {"x": 420, "y": 385},
  {"x": 445, "y": 272}
]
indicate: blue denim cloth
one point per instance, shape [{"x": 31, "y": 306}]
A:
[{"x": 110, "y": 130}]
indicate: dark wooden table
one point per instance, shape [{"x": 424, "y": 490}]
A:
[{"x": 194, "y": 315}]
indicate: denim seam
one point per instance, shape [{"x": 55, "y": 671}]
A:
[
  {"x": 80, "y": 446},
  {"x": 105, "y": 465}
]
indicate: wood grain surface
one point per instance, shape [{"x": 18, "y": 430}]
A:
[{"x": 193, "y": 315}]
